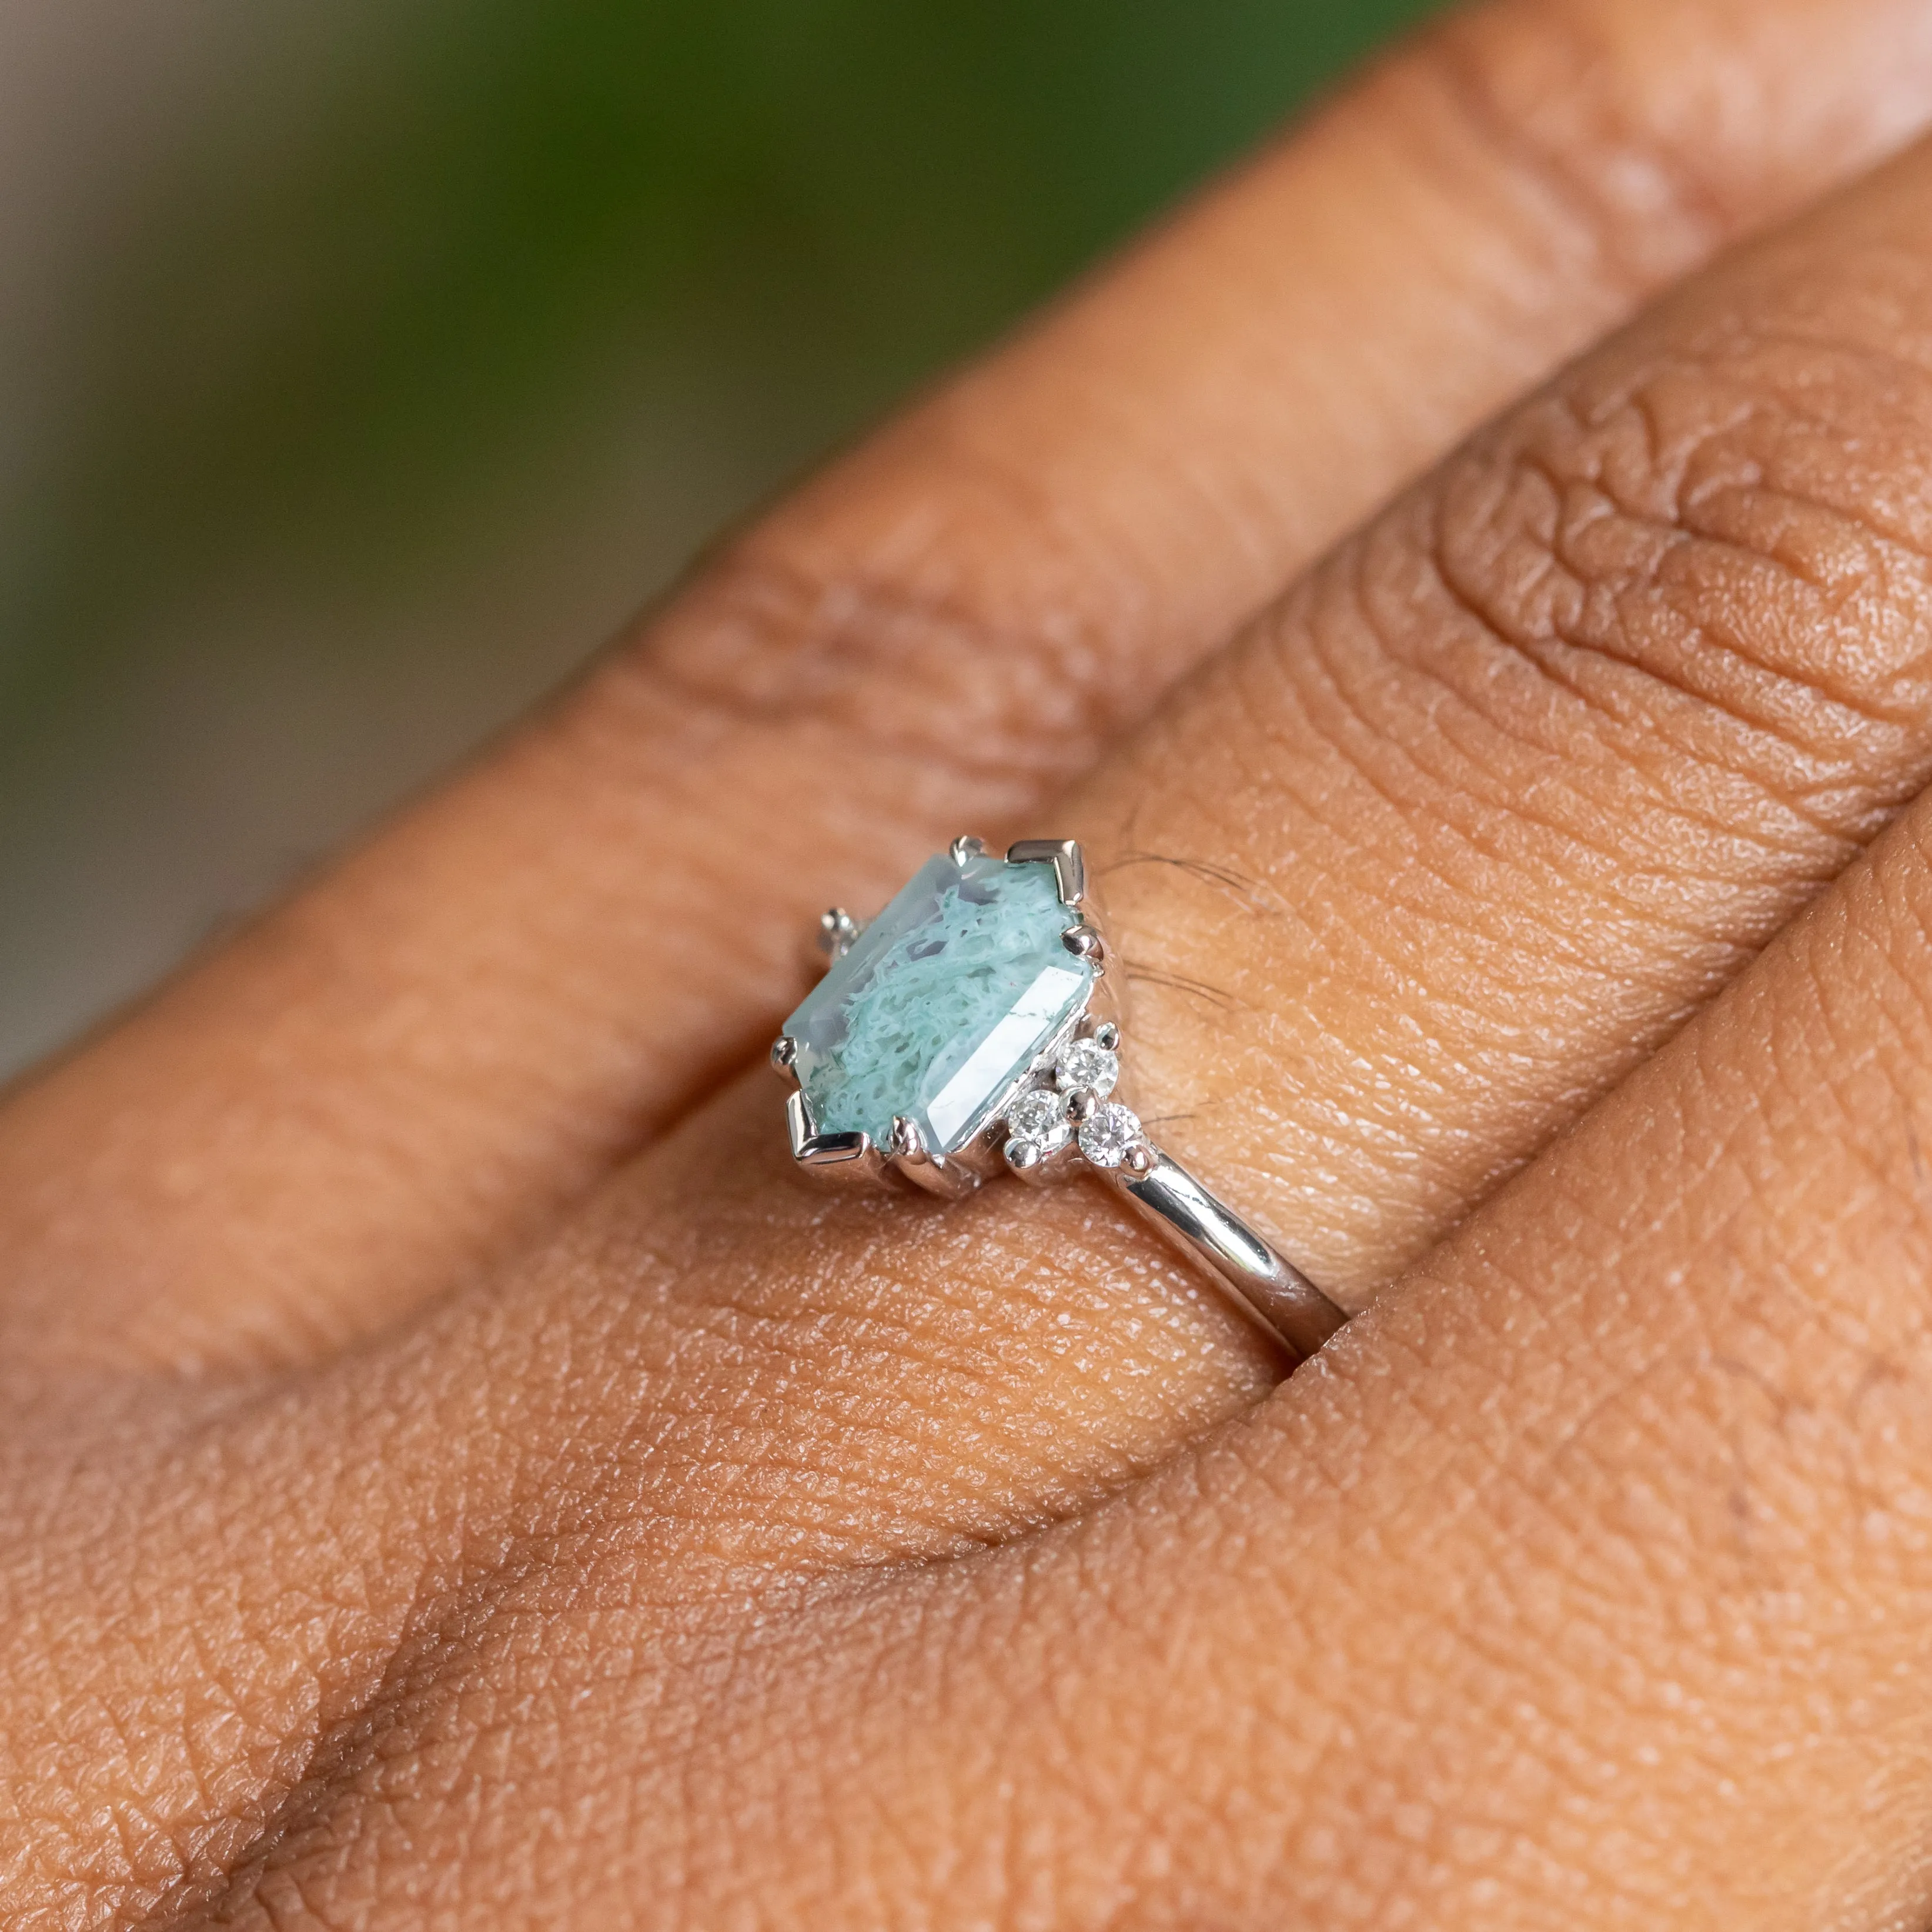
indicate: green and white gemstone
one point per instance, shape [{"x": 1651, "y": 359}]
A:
[{"x": 960, "y": 1029}]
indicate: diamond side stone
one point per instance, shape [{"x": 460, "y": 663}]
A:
[
  {"x": 1108, "y": 1133},
  {"x": 1085, "y": 1063},
  {"x": 1039, "y": 1116}
]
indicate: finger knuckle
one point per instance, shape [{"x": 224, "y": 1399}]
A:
[
  {"x": 909, "y": 662},
  {"x": 1707, "y": 559},
  {"x": 1545, "y": 97}
]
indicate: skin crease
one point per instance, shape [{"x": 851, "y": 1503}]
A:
[{"x": 734, "y": 1555}]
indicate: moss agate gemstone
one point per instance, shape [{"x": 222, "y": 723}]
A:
[{"x": 941, "y": 1004}]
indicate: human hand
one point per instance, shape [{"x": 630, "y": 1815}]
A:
[{"x": 455, "y": 1476}]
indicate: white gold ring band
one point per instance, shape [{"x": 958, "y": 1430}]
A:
[{"x": 975, "y": 1027}]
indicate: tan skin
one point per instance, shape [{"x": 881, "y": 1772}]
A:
[{"x": 455, "y": 1477}]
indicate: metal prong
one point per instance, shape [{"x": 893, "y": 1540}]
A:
[
  {"x": 784, "y": 1056},
  {"x": 841, "y": 1157},
  {"x": 967, "y": 847},
  {"x": 798, "y": 1123},
  {"x": 1080, "y": 1104},
  {"x": 1026, "y": 1161},
  {"x": 809, "y": 1147},
  {"x": 1138, "y": 1159},
  {"x": 915, "y": 1162},
  {"x": 837, "y": 929},
  {"x": 1106, "y": 1036},
  {"x": 1070, "y": 867},
  {"x": 1084, "y": 942}
]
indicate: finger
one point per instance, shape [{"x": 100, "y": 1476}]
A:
[
  {"x": 1518, "y": 778},
  {"x": 1584, "y": 1585},
  {"x": 1587, "y": 1585},
  {"x": 408, "y": 1069}
]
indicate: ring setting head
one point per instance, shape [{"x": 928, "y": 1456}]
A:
[{"x": 948, "y": 1035}]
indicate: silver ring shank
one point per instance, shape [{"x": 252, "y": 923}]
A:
[{"x": 1269, "y": 1290}]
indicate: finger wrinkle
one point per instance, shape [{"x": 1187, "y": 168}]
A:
[
  {"x": 1496, "y": 820},
  {"x": 897, "y": 662},
  {"x": 1626, "y": 191},
  {"x": 1598, "y": 656}
]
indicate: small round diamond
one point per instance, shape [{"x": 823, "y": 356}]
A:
[
  {"x": 1107, "y": 1133},
  {"x": 1039, "y": 1117},
  {"x": 1087, "y": 1063}
]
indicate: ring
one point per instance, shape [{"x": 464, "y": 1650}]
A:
[{"x": 975, "y": 1027}]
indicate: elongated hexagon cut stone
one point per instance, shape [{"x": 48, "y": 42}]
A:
[{"x": 942, "y": 1003}]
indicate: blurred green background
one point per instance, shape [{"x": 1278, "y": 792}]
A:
[{"x": 362, "y": 367}]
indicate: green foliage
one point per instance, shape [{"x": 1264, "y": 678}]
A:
[{"x": 389, "y": 274}]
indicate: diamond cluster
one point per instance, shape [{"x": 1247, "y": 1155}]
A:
[{"x": 1038, "y": 1124}]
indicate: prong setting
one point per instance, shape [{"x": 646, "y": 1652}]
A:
[
  {"x": 1070, "y": 866},
  {"x": 1030, "y": 1145},
  {"x": 1042, "y": 1107},
  {"x": 913, "y": 1161},
  {"x": 845, "y": 1157},
  {"x": 1084, "y": 942},
  {"x": 837, "y": 931}
]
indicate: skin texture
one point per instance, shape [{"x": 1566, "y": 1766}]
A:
[{"x": 454, "y": 1476}]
